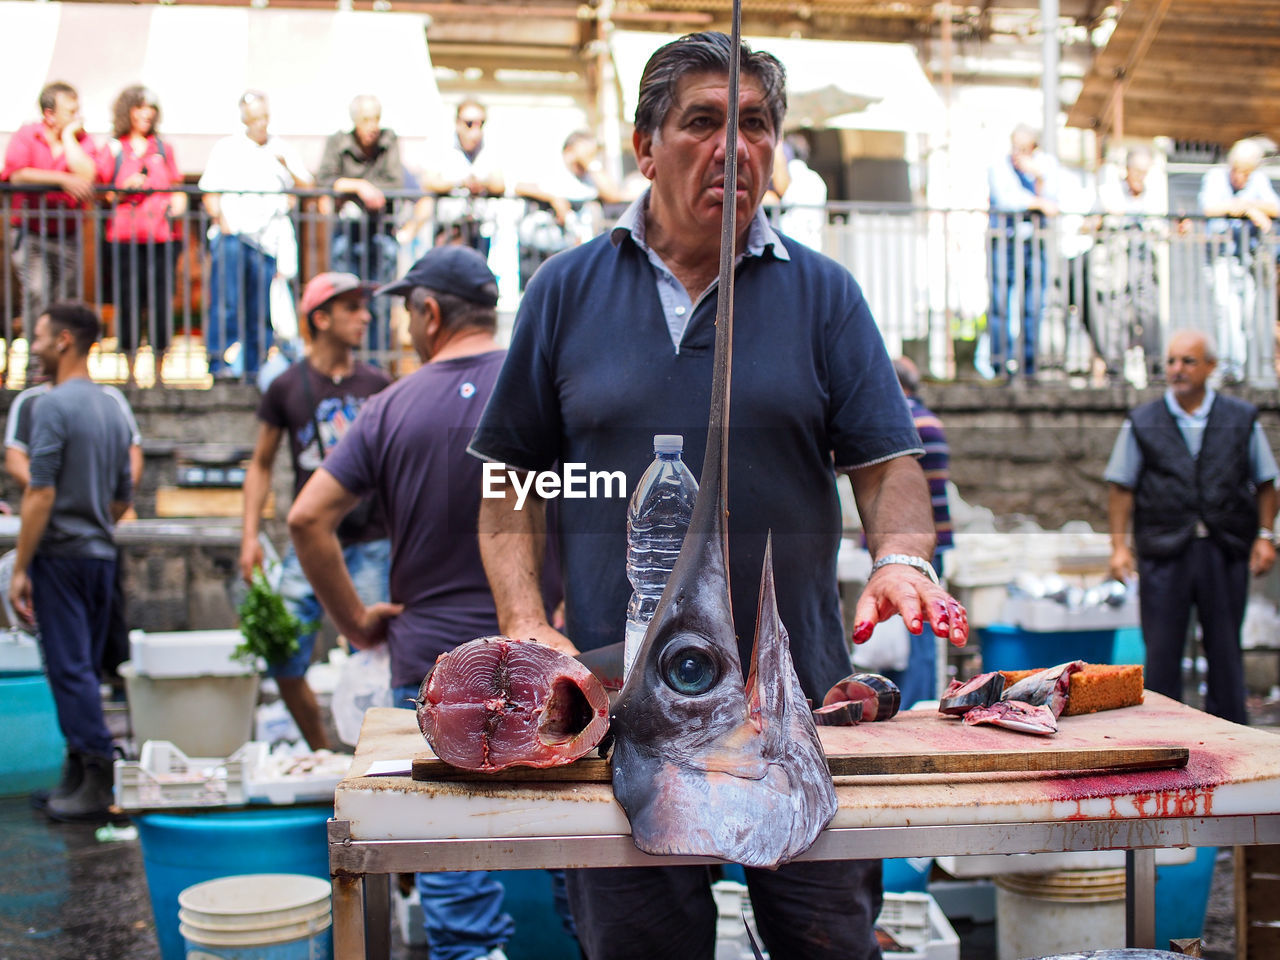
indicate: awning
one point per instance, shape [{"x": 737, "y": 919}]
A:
[
  {"x": 1202, "y": 70},
  {"x": 199, "y": 60},
  {"x": 834, "y": 84}
]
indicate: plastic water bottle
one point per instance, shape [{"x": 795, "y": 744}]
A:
[{"x": 657, "y": 519}]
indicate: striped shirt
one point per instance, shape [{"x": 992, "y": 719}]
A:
[{"x": 934, "y": 463}]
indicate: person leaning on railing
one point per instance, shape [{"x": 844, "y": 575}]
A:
[
  {"x": 361, "y": 165},
  {"x": 57, "y": 156},
  {"x": 142, "y": 238}
]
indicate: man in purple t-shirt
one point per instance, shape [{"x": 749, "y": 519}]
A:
[
  {"x": 418, "y": 464},
  {"x": 315, "y": 402}
]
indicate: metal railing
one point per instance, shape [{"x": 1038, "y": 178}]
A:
[{"x": 967, "y": 292}]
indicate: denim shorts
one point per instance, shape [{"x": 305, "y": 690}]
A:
[{"x": 368, "y": 563}]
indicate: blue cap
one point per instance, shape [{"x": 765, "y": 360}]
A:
[{"x": 458, "y": 270}]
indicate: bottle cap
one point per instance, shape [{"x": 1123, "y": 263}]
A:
[{"x": 668, "y": 443}]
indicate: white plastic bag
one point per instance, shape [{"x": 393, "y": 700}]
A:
[
  {"x": 365, "y": 681},
  {"x": 888, "y": 648}
]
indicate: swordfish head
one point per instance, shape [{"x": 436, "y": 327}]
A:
[{"x": 702, "y": 764}]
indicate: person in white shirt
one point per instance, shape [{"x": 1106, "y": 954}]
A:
[
  {"x": 464, "y": 175},
  {"x": 251, "y": 237},
  {"x": 804, "y": 198},
  {"x": 1241, "y": 204}
]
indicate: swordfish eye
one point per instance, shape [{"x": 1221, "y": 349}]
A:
[{"x": 688, "y": 668}]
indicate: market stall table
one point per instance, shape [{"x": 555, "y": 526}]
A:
[{"x": 1228, "y": 794}]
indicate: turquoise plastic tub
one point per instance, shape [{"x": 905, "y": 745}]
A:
[
  {"x": 1006, "y": 647},
  {"x": 907, "y": 875},
  {"x": 179, "y": 850},
  {"x": 540, "y": 935},
  {"x": 32, "y": 747},
  {"x": 1182, "y": 896}
]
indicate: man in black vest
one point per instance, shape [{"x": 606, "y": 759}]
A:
[{"x": 1195, "y": 472}]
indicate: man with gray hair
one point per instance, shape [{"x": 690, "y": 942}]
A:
[
  {"x": 1194, "y": 471},
  {"x": 613, "y": 344},
  {"x": 360, "y": 165},
  {"x": 1241, "y": 204}
]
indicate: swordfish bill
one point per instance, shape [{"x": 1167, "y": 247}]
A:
[{"x": 704, "y": 765}]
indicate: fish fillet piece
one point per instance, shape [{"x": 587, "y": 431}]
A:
[
  {"x": 980, "y": 691},
  {"x": 1049, "y": 687},
  {"x": 844, "y": 713},
  {"x": 1015, "y": 715},
  {"x": 879, "y": 696},
  {"x": 495, "y": 702}
]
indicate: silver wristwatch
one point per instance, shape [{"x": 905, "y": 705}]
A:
[{"x": 924, "y": 566}]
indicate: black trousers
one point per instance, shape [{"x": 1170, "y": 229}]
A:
[
  {"x": 811, "y": 910},
  {"x": 1217, "y": 585}
]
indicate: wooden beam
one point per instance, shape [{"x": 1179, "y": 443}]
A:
[{"x": 1150, "y": 27}]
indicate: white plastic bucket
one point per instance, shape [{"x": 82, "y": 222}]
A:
[
  {"x": 1040, "y": 914},
  {"x": 262, "y": 916},
  {"x": 203, "y": 716}
]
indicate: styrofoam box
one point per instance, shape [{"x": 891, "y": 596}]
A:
[
  {"x": 287, "y": 780},
  {"x": 188, "y": 653},
  {"x": 1041, "y": 615},
  {"x": 916, "y": 921},
  {"x": 990, "y": 865},
  {"x": 163, "y": 776}
]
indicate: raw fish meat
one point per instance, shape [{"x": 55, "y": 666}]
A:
[
  {"x": 494, "y": 703},
  {"x": 844, "y": 713},
  {"x": 880, "y": 696},
  {"x": 981, "y": 691},
  {"x": 1015, "y": 715},
  {"x": 1048, "y": 687}
]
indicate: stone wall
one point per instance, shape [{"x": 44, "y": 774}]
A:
[{"x": 1042, "y": 450}]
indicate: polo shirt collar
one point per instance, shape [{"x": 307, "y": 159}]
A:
[
  {"x": 1199, "y": 413},
  {"x": 761, "y": 237}
]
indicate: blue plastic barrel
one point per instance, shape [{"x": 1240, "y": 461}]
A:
[
  {"x": 1006, "y": 647},
  {"x": 179, "y": 850},
  {"x": 32, "y": 747},
  {"x": 1182, "y": 896}
]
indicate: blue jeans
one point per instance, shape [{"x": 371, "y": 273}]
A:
[
  {"x": 72, "y": 597},
  {"x": 919, "y": 680},
  {"x": 462, "y": 909},
  {"x": 1006, "y": 282},
  {"x": 368, "y": 563},
  {"x": 238, "y": 299},
  {"x": 370, "y": 257}
]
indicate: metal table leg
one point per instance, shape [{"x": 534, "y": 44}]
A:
[
  {"x": 377, "y": 916},
  {"x": 1140, "y": 898},
  {"x": 348, "y": 917}
]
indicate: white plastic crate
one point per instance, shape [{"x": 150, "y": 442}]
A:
[
  {"x": 164, "y": 776},
  {"x": 918, "y": 924},
  {"x": 284, "y": 779},
  {"x": 1041, "y": 615}
]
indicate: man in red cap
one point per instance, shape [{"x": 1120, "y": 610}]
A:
[{"x": 315, "y": 401}]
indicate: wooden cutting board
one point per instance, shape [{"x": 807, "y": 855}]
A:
[{"x": 1031, "y": 760}]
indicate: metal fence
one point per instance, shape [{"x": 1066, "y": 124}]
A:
[{"x": 966, "y": 292}]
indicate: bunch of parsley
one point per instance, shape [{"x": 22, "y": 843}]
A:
[{"x": 270, "y": 631}]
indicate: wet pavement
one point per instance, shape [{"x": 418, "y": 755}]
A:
[{"x": 66, "y": 895}]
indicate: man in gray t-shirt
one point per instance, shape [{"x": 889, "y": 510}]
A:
[{"x": 65, "y": 565}]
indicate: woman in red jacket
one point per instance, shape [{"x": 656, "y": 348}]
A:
[{"x": 143, "y": 238}]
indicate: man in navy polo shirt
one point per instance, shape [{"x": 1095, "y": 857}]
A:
[{"x": 614, "y": 344}]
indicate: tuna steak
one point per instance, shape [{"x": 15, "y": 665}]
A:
[
  {"x": 879, "y": 696},
  {"x": 981, "y": 691},
  {"x": 1049, "y": 687},
  {"x": 494, "y": 703},
  {"x": 1015, "y": 715},
  {"x": 844, "y": 713}
]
